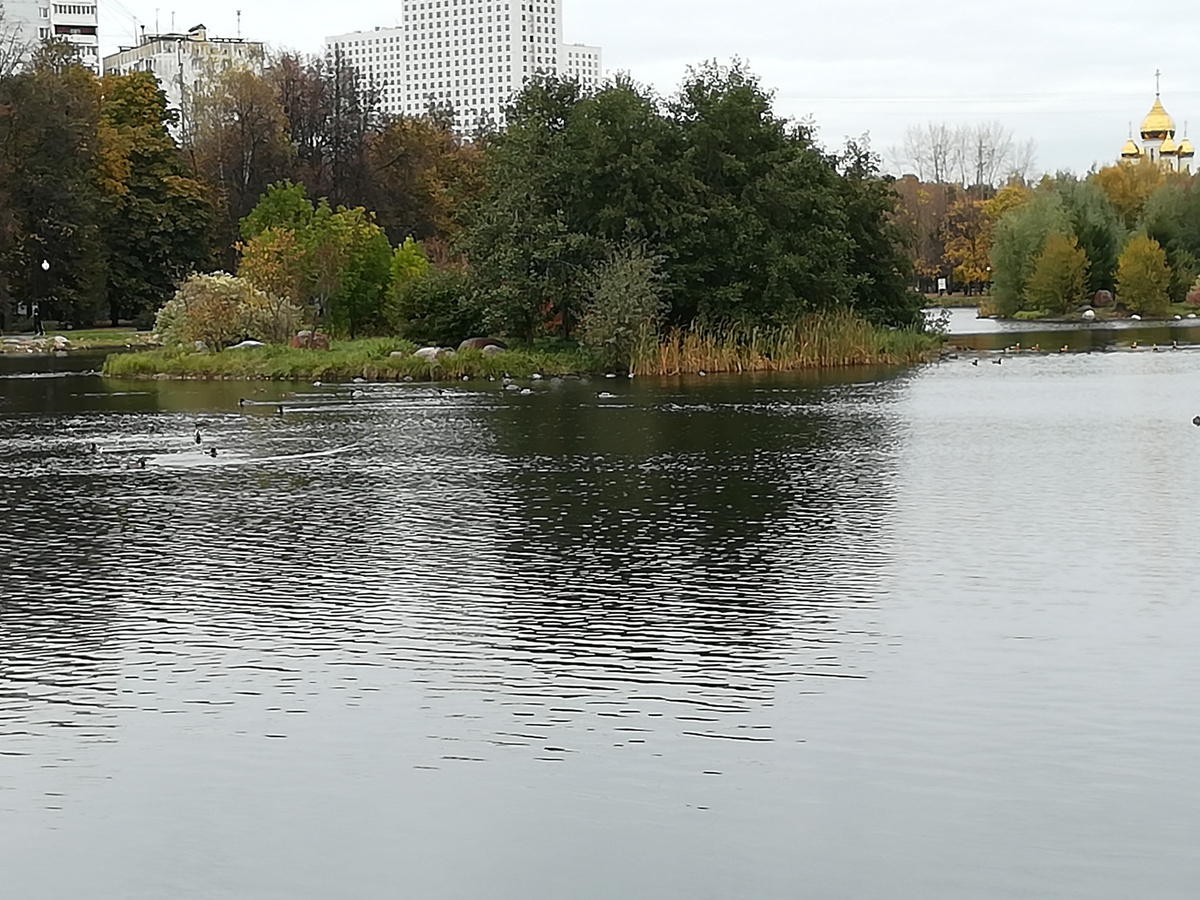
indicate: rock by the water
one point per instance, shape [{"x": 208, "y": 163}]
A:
[
  {"x": 1102, "y": 299},
  {"x": 398, "y": 354},
  {"x": 493, "y": 349},
  {"x": 200, "y": 346},
  {"x": 247, "y": 345},
  {"x": 482, "y": 344},
  {"x": 428, "y": 353},
  {"x": 309, "y": 340}
]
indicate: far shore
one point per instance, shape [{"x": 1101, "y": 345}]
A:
[{"x": 59, "y": 341}]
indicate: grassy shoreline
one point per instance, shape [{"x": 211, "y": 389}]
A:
[
  {"x": 82, "y": 340},
  {"x": 828, "y": 342}
]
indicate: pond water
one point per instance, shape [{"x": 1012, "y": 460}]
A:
[
  {"x": 929, "y": 633},
  {"x": 967, "y": 331}
]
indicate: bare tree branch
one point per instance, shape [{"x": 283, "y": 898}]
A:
[
  {"x": 14, "y": 50},
  {"x": 969, "y": 155}
]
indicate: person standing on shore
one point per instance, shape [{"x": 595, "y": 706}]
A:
[{"x": 37, "y": 320}]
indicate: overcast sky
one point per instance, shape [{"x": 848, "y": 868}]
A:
[{"x": 1070, "y": 75}]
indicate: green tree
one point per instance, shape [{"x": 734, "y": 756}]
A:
[
  {"x": 356, "y": 303},
  {"x": 767, "y": 236},
  {"x": 1059, "y": 279},
  {"x": 752, "y": 222},
  {"x": 1143, "y": 276},
  {"x": 878, "y": 263},
  {"x": 339, "y": 260},
  {"x": 157, "y": 220},
  {"x": 1020, "y": 235},
  {"x": 284, "y": 206},
  {"x": 437, "y": 308},
  {"x": 1172, "y": 217},
  {"x": 569, "y": 178},
  {"x": 52, "y": 169},
  {"x": 1098, "y": 228}
]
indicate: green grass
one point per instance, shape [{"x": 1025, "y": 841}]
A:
[
  {"x": 344, "y": 361},
  {"x": 823, "y": 341},
  {"x": 92, "y": 338}
]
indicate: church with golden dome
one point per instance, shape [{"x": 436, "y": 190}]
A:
[{"x": 1158, "y": 140}]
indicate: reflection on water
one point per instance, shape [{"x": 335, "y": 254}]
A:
[{"x": 715, "y": 636}]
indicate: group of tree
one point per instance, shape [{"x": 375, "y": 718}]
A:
[
  {"x": 98, "y": 213},
  {"x": 987, "y": 154},
  {"x": 1129, "y": 230},
  {"x": 122, "y": 197},
  {"x": 951, "y": 196},
  {"x": 603, "y": 216},
  {"x": 317, "y": 123},
  {"x": 596, "y": 215},
  {"x": 726, "y": 212}
]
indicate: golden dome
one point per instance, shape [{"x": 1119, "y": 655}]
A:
[
  {"x": 1157, "y": 125},
  {"x": 1168, "y": 148},
  {"x": 1186, "y": 150},
  {"x": 1131, "y": 150}
]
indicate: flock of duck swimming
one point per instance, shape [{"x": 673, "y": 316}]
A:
[
  {"x": 203, "y": 448},
  {"x": 1036, "y": 350}
]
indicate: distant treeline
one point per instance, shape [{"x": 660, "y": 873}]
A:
[{"x": 1054, "y": 245}]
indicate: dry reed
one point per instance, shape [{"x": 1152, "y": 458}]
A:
[{"x": 819, "y": 341}]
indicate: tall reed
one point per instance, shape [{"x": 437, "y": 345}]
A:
[{"x": 819, "y": 341}]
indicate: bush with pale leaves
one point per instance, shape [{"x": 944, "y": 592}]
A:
[{"x": 221, "y": 309}]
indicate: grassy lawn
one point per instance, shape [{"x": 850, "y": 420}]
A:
[{"x": 347, "y": 360}]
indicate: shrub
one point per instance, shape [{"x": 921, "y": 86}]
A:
[
  {"x": 1193, "y": 297},
  {"x": 624, "y": 307},
  {"x": 437, "y": 308},
  {"x": 220, "y": 309}
]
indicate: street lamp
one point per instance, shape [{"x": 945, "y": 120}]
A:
[{"x": 37, "y": 307}]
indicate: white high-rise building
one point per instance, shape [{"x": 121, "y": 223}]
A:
[
  {"x": 583, "y": 63},
  {"x": 184, "y": 62},
  {"x": 470, "y": 55},
  {"x": 40, "y": 20},
  {"x": 378, "y": 56}
]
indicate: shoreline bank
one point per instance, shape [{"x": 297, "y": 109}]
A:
[{"x": 390, "y": 360}]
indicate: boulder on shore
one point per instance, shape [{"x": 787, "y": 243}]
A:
[
  {"x": 310, "y": 340},
  {"x": 1102, "y": 299},
  {"x": 483, "y": 344}
]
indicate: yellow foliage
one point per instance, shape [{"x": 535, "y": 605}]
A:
[
  {"x": 1143, "y": 276},
  {"x": 1010, "y": 197},
  {"x": 1128, "y": 186},
  {"x": 968, "y": 234}
]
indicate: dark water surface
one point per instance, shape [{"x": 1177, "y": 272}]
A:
[{"x": 931, "y": 634}]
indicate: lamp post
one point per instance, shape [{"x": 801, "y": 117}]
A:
[{"x": 37, "y": 306}]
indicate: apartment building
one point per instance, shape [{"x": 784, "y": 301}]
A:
[
  {"x": 582, "y": 63},
  {"x": 471, "y": 55},
  {"x": 76, "y": 23},
  {"x": 182, "y": 62}
]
